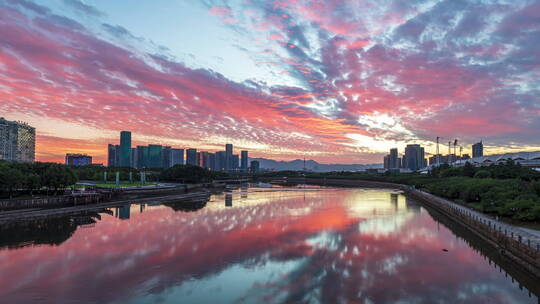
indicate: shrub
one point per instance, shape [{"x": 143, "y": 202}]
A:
[{"x": 482, "y": 174}]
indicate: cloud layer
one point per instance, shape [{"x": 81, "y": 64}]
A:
[{"x": 391, "y": 72}]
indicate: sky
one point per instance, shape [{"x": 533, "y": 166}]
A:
[{"x": 335, "y": 81}]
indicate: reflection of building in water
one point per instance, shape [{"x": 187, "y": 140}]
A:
[
  {"x": 244, "y": 191},
  {"x": 123, "y": 212},
  {"x": 228, "y": 200},
  {"x": 394, "y": 200},
  {"x": 142, "y": 206},
  {"x": 412, "y": 205}
]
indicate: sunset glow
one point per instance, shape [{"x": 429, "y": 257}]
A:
[{"x": 338, "y": 81}]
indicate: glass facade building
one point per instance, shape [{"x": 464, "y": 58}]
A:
[
  {"x": 125, "y": 149},
  {"x": 244, "y": 160},
  {"x": 177, "y": 157},
  {"x": 155, "y": 156},
  {"x": 191, "y": 157}
]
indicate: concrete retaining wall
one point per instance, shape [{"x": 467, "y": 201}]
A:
[{"x": 56, "y": 201}]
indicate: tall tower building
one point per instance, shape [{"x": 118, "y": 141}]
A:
[
  {"x": 177, "y": 157},
  {"x": 220, "y": 160},
  {"x": 191, "y": 157},
  {"x": 244, "y": 161},
  {"x": 228, "y": 156},
  {"x": 125, "y": 149},
  {"x": 393, "y": 160},
  {"x": 155, "y": 156},
  {"x": 167, "y": 157},
  {"x": 142, "y": 157},
  {"x": 478, "y": 149},
  {"x": 235, "y": 162},
  {"x": 17, "y": 141},
  {"x": 113, "y": 159},
  {"x": 414, "y": 158}
]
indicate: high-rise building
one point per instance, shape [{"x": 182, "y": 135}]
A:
[
  {"x": 177, "y": 157},
  {"x": 125, "y": 149},
  {"x": 199, "y": 159},
  {"x": 155, "y": 156},
  {"x": 235, "y": 163},
  {"x": 166, "y": 157},
  {"x": 255, "y": 166},
  {"x": 202, "y": 159},
  {"x": 478, "y": 149},
  {"x": 392, "y": 161},
  {"x": 191, "y": 157},
  {"x": 414, "y": 157},
  {"x": 211, "y": 161},
  {"x": 113, "y": 156},
  {"x": 244, "y": 161},
  {"x": 142, "y": 157},
  {"x": 17, "y": 141},
  {"x": 228, "y": 156},
  {"x": 134, "y": 157},
  {"x": 78, "y": 159},
  {"x": 220, "y": 160}
]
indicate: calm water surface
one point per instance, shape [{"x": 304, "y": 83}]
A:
[{"x": 254, "y": 245}]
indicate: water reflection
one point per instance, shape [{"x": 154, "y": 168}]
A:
[
  {"x": 44, "y": 231},
  {"x": 123, "y": 212},
  {"x": 228, "y": 200},
  {"x": 272, "y": 245},
  {"x": 186, "y": 206}
]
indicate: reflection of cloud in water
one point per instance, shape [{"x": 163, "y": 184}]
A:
[{"x": 290, "y": 246}]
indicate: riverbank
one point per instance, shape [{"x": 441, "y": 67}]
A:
[
  {"x": 24, "y": 214},
  {"x": 94, "y": 195},
  {"x": 520, "y": 245}
]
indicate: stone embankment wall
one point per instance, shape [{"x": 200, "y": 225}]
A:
[
  {"x": 95, "y": 195},
  {"x": 53, "y": 201}
]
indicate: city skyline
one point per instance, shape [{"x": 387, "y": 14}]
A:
[{"x": 335, "y": 81}]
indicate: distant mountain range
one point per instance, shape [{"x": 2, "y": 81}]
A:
[{"x": 311, "y": 165}]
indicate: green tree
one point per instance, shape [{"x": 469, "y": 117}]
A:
[
  {"x": 482, "y": 174},
  {"x": 11, "y": 179},
  {"x": 468, "y": 170},
  {"x": 32, "y": 182},
  {"x": 186, "y": 174}
]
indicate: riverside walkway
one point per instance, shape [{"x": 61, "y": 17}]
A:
[{"x": 526, "y": 236}]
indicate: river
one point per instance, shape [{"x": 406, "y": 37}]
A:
[{"x": 257, "y": 244}]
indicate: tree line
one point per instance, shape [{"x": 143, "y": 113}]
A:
[
  {"x": 507, "y": 189},
  {"x": 31, "y": 177},
  {"x": 52, "y": 178}
]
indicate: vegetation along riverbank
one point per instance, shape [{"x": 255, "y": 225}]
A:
[{"x": 507, "y": 190}]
